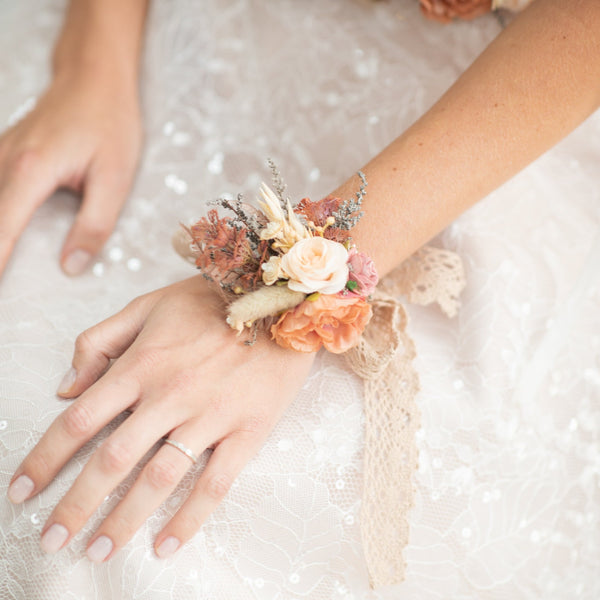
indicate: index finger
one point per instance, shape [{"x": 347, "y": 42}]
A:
[
  {"x": 22, "y": 190},
  {"x": 69, "y": 432}
]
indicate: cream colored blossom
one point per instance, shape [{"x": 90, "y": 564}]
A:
[
  {"x": 270, "y": 204},
  {"x": 272, "y": 270},
  {"x": 316, "y": 264},
  {"x": 297, "y": 229},
  {"x": 286, "y": 231},
  {"x": 273, "y": 230}
]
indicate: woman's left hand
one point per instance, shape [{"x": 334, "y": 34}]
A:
[{"x": 189, "y": 378}]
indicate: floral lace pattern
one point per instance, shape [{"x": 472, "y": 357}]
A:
[{"x": 507, "y": 489}]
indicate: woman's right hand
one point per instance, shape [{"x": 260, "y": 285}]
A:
[{"x": 84, "y": 134}]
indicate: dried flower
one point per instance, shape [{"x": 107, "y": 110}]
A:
[
  {"x": 224, "y": 251},
  {"x": 316, "y": 265},
  {"x": 271, "y": 270},
  {"x": 333, "y": 321},
  {"x": 286, "y": 231},
  {"x": 446, "y": 10},
  {"x": 261, "y": 303},
  {"x": 319, "y": 211}
]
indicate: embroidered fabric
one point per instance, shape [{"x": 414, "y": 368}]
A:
[{"x": 506, "y": 498}]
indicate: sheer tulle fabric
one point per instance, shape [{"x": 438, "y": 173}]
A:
[{"x": 506, "y": 497}]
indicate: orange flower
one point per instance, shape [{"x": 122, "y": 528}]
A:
[
  {"x": 446, "y": 10},
  {"x": 332, "y": 320}
]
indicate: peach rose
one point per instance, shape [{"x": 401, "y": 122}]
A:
[
  {"x": 333, "y": 321},
  {"x": 446, "y": 10},
  {"x": 316, "y": 264}
]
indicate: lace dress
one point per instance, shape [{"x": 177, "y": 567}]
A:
[{"x": 507, "y": 490}]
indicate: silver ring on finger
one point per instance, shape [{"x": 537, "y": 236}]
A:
[{"x": 183, "y": 449}]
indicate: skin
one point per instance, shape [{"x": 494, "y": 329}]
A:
[
  {"x": 535, "y": 83},
  {"x": 85, "y": 132}
]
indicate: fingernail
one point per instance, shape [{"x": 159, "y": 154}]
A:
[
  {"x": 20, "y": 489},
  {"x": 100, "y": 549},
  {"x": 67, "y": 381},
  {"x": 52, "y": 541},
  {"x": 76, "y": 262},
  {"x": 167, "y": 547}
]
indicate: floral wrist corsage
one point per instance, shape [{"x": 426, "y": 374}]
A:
[{"x": 293, "y": 269}]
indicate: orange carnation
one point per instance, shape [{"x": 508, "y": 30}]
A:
[
  {"x": 446, "y": 10},
  {"x": 332, "y": 320}
]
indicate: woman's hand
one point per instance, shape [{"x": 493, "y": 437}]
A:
[
  {"x": 84, "y": 134},
  {"x": 189, "y": 378}
]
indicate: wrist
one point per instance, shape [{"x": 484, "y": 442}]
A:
[
  {"x": 101, "y": 41},
  {"x": 97, "y": 83}
]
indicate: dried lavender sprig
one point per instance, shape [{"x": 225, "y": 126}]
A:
[
  {"x": 278, "y": 183},
  {"x": 362, "y": 191},
  {"x": 349, "y": 213},
  {"x": 249, "y": 221}
]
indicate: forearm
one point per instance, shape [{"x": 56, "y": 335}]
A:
[
  {"x": 536, "y": 82},
  {"x": 101, "y": 38}
]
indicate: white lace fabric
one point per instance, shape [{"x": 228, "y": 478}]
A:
[{"x": 506, "y": 494}]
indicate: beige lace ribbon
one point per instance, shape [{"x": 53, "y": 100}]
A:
[{"x": 383, "y": 359}]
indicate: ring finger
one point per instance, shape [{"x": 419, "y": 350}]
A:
[
  {"x": 155, "y": 483},
  {"x": 107, "y": 467}
]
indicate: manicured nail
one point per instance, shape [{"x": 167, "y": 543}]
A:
[
  {"x": 100, "y": 549},
  {"x": 76, "y": 262},
  {"x": 54, "y": 538},
  {"x": 67, "y": 381},
  {"x": 167, "y": 547},
  {"x": 20, "y": 489}
]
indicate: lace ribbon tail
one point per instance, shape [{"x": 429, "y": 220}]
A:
[{"x": 383, "y": 360}]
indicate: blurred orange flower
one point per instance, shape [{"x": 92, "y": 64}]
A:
[{"x": 446, "y": 10}]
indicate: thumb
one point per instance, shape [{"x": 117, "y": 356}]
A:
[
  {"x": 105, "y": 194},
  {"x": 108, "y": 340}
]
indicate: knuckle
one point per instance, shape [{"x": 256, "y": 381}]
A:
[
  {"x": 26, "y": 163},
  {"x": 136, "y": 304},
  {"x": 38, "y": 466},
  {"x": 162, "y": 474},
  {"x": 148, "y": 357},
  {"x": 183, "y": 380},
  {"x": 121, "y": 527},
  {"x": 217, "y": 485},
  {"x": 115, "y": 456},
  {"x": 72, "y": 513},
  {"x": 84, "y": 342},
  {"x": 255, "y": 424},
  {"x": 77, "y": 420},
  {"x": 189, "y": 522},
  {"x": 220, "y": 404},
  {"x": 95, "y": 231}
]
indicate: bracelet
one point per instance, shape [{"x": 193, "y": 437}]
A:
[{"x": 291, "y": 269}]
